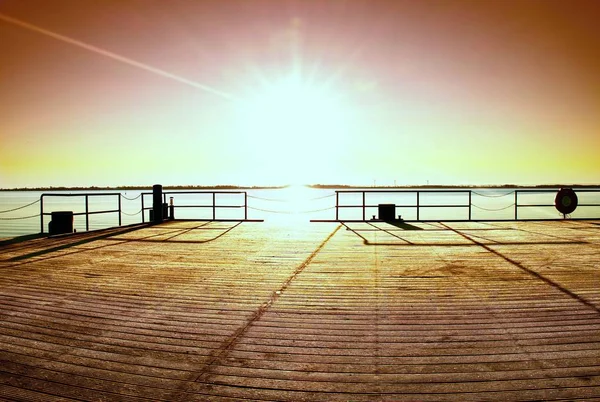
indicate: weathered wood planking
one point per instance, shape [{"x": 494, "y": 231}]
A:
[{"x": 368, "y": 311}]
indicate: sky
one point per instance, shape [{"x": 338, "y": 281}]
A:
[{"x": 273, "y": 92}]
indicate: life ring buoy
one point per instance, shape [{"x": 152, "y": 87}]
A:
[{"x": 565, "y": 201}]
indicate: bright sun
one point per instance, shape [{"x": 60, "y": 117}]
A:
[{"x": 294, "y": 126}]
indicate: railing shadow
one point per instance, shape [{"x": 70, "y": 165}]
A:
[
  {"x": 403, "y": 225},
  {"x": 112, "y": 233},
  {"x": 171, "y": 239},
  {"x": 20, "y": 239},
  {"x": 88, "y": 237},
  {"x": 407, "y": 243}
]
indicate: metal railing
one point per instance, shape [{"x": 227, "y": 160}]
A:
[
  {"x": 548, "y": 191},
  {"x": 87, "y": 212},
  {"x": 419, "y": 206},
  {"x": 212, "y": 205}
]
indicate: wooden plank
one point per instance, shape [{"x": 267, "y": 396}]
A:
[{"x": 222, "y": 311}]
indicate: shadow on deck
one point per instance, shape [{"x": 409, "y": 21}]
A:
[{"x": 370, "y": 311}]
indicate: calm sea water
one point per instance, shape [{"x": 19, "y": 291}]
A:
[{"x": 292, "y": 204}]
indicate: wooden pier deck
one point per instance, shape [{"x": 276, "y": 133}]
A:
[{"x": 195, "y": 311}]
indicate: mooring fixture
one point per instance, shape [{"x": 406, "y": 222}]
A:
[
  {"x": 62, "y": 222},
  {"x": 566, "y": 201},
  {"x": 157, "y": 203},
  {"x": 387, "y": 212}
]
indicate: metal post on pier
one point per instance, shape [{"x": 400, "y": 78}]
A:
[
  {"x": 245, "y": 205},
  {"x": 337, "y": 206},
  {"x": 469, "y": 204},
  {"x": 119, "y": 196},
  {"x": 516, "y": 203},
  {"x": 214, "y": 207},
  {"x": 418, "y": 204},
  {"x": 364, "y": 205},
  {"x": 157, "y": 204},
  {"x": 42, "y": 214},
  {"x": 87, "y": 213}
]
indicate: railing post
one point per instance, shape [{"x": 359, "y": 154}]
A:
[
  {"x": 337, "y": 206},
  {"x": 157, "y": 203},
  {"x": 245, "y": 205},
  {"x": 214, "y": 198},
  {"x": 42, "y": 214},
  {"x": 364, "y": 202},
  {"x": 142, "y": 198},
  {"x": 119, "y": 196},
  {"x": 516, "y": 204},
  {"x": 87, "y": 216},
  {"x": 418, "y": 203},
  {"x": 469, "y": 204}
]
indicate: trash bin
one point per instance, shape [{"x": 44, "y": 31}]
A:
[
  {"x": 387, "y": 212},
  {"x": 61, "y": 222}
]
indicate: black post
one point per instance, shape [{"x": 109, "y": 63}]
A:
[
  {"x": 157, "y": 206},
  {"x": 470, "y": 203},
  {"x": 87, "y": 214},
  {"x": 119, "y": 196},
  {"x": 42, "y": 214},
  {"x": 214, "y": 206},
  {"x": 364, "y": 202}
]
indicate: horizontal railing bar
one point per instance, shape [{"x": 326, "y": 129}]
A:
[
  {"x": 552, "y": 205},
  {"x": 78, "y": 195},
  {"x": 453, "y": 220},
  {"x": 89, "y": 213},
  {"x": 198, "y": 192},
  {"x": 402, "y": 191},
  {"x": 406, "y": 206},
  {"x": 508, "y": 191},
  {"x": 207, "y": 206},
  {"x": 577, "y": 190},
  {"x": 98, "y": 212}
]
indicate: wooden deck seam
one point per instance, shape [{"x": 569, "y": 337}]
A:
[{"x": 260, "y": 312}]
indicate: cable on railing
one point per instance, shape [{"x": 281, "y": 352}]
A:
[
  {"x": 494, "y": 209},
  {"x": 324, "y": 196},
  {"x": 271, "y": 211},
  {"x": 267, "y": 199},
  {"x": 134, "y": 214},
  {"x": 492, "y": 196},
  {"x": 290, "y": 212},
  {"x": 287, "y": 200},
  {"x": 19, "y": 217},
  {"x": 24, "y": 206},
  {"x": 131, "y": 199},
  {"x": 317, "y": 210}
]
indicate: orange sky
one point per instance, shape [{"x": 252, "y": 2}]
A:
[{"x": 273, "y": 92}]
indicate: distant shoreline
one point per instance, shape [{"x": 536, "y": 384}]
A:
[{"x": 314, "y": 186}]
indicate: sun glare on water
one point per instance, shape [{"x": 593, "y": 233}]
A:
[
  {"x": 295, "y": 206},
  {"x": 294, "y": 127}
]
